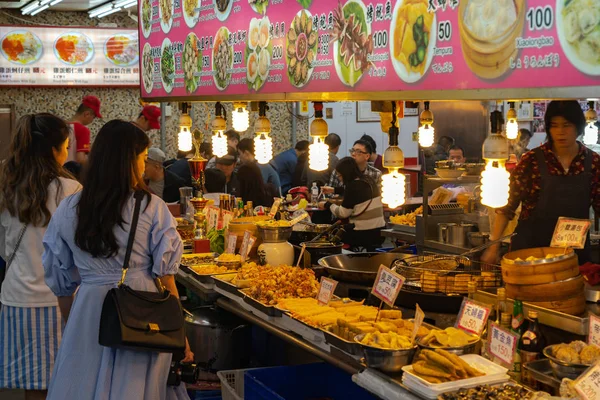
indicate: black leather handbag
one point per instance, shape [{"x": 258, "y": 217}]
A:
[{"x": 137, "y": 320}]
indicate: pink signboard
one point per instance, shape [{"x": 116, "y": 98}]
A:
[{"x": 209, "y": 49}]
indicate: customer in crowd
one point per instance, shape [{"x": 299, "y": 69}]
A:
[
  {"x": 362, "y": 206},
  {"x": 285, "y": 164},
  {"x": 74, "y": 169},
  {"x": 227, "y": 164},
  {"x": 361, "y": 153},
  {"x": 79, "y": 136},
  {"x": 437, "y": 153},
  {"x": 246, "y": 153},
  {"x": 162, "y": 182},
  {"x": 376, "y": 160},
  {"x": 298, "y": 178},
  {"x": 181, "y": 167},
  {"x": 457, "y": 154},
  {"x": 85, "y": 246},
  {"x": 32, "y": 184},
  {"x": 252, "y": 187},
  {"x": 333, "y": 141},
  {"x": 233, "y": 138},
  {"x": 148, "y": 119},
  {"x": 522, "y": 145},
  {"x": 214, "y": 184}
]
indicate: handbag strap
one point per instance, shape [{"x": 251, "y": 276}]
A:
[
  {"x": 19, "y": 240},
  {"x": 134, "y": 222}
]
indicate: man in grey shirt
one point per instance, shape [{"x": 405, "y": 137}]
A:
[
  {"x": 333, "y": 141},
  {"x": 162, "y": 182}
]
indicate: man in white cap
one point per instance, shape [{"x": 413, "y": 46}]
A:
[{"x": 161, "y": 182}]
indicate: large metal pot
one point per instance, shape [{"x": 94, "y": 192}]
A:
[
  {"x": 317, "y": 250},
  {"x": 274, "y": 234},
  {"x": 218, "y": 339},
  {"x": 359, "y": 267}
]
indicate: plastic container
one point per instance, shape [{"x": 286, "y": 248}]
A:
[
  {"x": 232, "y": 384},
  {"x": 302, "y": 382}
]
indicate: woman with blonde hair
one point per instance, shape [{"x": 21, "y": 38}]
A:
[{"x": 32, "y": 184}]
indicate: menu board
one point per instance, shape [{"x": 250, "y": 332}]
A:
[
  {"x": 67, "y": 56},
  {"x": 286, "y": 49}
]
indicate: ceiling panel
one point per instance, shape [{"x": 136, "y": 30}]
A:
[{"x": 65, "y": 5}]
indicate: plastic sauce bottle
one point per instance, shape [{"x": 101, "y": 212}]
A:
[{"x": 314, "y": 194}]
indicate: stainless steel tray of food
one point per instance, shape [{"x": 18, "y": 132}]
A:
[{"x": 555, "y": 319}]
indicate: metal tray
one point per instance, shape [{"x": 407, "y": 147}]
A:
[
  {"x": 227, "y": 287},
  {"x": 403, "y": 228},
  {"x": 270, "y": 311},
  {"x": 350, "y": 347},
  {"x": 204, "y": 278},
  {"x": 541, "y": 371}
]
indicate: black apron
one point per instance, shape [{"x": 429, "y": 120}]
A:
[{"x": 560, "y": 196}]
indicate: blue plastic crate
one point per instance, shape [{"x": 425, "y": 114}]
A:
[{"x": 310, "y": 381}]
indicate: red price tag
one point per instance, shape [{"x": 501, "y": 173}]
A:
[
  {"x": 594, "y": 330},
  {"x": 472, "y": 317},
  {"x": 570, "y": 233},
  {"x": 326, "y": 290},
  {"x": 244, "y": 248},
  {"x": 502, "y": 343},
  {"x": 387, "y": 285},
  {"x": 231, "y": 243},
  {"x": 588, "y": 384}
]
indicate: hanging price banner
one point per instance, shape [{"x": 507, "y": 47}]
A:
[
  {"x": 231, "y": 243},
  {"x": 387, "y": 285},
  {"x": 419, "y": 317},
  {"x": 570, "y": 233},
  {"x": 326, "y": 290},
  {"x": 244, "y": 248},
  {"x": 472, "y": 317},
  {"x": 588, "y": 384},
  {"x": 274, "y": 208},
  {"x": 502, "y": 343},
  {"x": 594, "y": 330}
]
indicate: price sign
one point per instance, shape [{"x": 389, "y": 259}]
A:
[
  {"x": 571, "y": 233},
  {"x": 472, "y": 317},
  {"x": 387, "y": 285},
  {"x": 502, "y": 343},
  {"x": 419, "y": 317},
  {"x": 299, "y": 218},
  {"x": 588, "y": 384},
  {"x": 594, "y": 330},
  {"x": 274, "y": 208},
  {"x": 231, "y": 242},
  {"x": 251, "y": 242},
  {"x": 227, "y": 217},
  {"x": 326, "y": 290},
  {"x": 213, "y": 217},
  {"x": 244, "y": 248}
]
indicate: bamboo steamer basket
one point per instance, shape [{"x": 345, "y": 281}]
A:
[
  {"x": 560, "y": 268},
  {"x": 547, "y": 292},
  {"x": 490, "y": 58},
  {"x": 573, "y": 306}
]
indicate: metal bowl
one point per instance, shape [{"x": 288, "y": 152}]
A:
[
  {"x": 275, "y": 234},
  {"x": 470, "y": 348},
  {"x": 473, "y": 169},
  {"x": 563, "y": 369},
  {"x": 477, "y": 239},
  {"x": 386, "y": 360},
  {"x": 231, "y": 265},
  {"x": 446, "y": 173},
  {"x": 359, "y": 267}
]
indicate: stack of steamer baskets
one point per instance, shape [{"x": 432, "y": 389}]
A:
[{"x": 546, "y": 277}]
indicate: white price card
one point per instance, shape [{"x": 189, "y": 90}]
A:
[
  {"x": 227, "y": 217},
  {"x": 231, "y": 243},
  {"x": 570, "y": 232},
  {"x": 274, "y": 208},
  {"x": 244, "y": 251},
  {"x": 472, "y": 317},
  {"x": 594, "y": 330},
  {"x": 387, "y": 285},
  {"x": 588, "y": 384},
  {"x": 502, "y": 343},
  {"x": 326, "y": 290},
  {"x": 418, "y": 321},
  {"x": 299, "y": 218},
  {"x": 213, "y": 217}
]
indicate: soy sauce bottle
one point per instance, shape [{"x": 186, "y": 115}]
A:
[
  {"x": 531, "y": 345},
  {"x": 517, "y": 326}
]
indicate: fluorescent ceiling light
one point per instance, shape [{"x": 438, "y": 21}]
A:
[
  {"x": 39, "y": 10},
  {"x": 100, "y": 10},
  {"x": 128, "y": 5},
  {"x": 124, "y": 3},
  {"x": 30, "y": 7},
  {"x": 55, "y": 2},
  {"x": 114, "y": 10}
]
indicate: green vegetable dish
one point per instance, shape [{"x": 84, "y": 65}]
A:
[
  {"x": 304, "y": 3},
  {"x": 146, "y": 15},
  {"x": 167, "y": 67},
  {"x": 260, "y": 6},
  {"x": 217, "y": 240},
  {"x": 192, "y": 63},
  {"x": 422, "y": 41}
]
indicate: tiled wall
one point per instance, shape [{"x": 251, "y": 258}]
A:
[{"x": 124, "y": 103}]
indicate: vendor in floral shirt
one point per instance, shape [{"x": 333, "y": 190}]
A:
[{"x": 558, "y": 179}]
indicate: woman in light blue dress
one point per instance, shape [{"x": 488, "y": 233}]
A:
[{"x": 85, "y": 247}]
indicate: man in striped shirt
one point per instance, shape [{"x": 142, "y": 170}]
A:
[{"x": 361, "y": 152}]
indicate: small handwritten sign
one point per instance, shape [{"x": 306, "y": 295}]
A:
[
  {"x": 227, "y": 217},
  {"x": 387, "y": 285},
  {"x": 244, "y": 251},
  {"x": 502, "y": 343},
  {"x": 213, "y": 217},
  {"x": 594, "y": 330},
  {"x": 231, "y": 243},
  {"x": 588, "y": 384},
  {"x": 472, "y": 317},
  {"x": 570, "y": 233},
  {"x": 326, "y": 290},
  {"x": 274, "y": 208},
  {"x": 419, "y": 317}
]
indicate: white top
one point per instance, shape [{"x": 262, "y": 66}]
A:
[{"x": 24, "y": 284}]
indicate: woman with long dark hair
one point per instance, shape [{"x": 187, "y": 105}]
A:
[
  {"x": 253, "y": 188},
  {"x": 362, "y": 206},
  {"x": 85, "y": 246},
  {"x": 32, "y": 184}
]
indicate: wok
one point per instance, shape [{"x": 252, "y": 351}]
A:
[{"x": 358, "y": 267}]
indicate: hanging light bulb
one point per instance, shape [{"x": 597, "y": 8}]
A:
[
  {"x": 495, "y": 179},
  {"x": 512, "y": 126},
  {"x": 263, "y": 144},
  {"x": 184, "y": 138},
  {"x": 318, "y": 152},
  {"x": 590, "y": 135},
  {"x": 393, "y": 190},
  {"x": 240, "y": 118},
  {"x": 426, "y": 131},
  {"x": 219, "y": 140}
]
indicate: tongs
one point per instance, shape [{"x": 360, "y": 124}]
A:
[{"x": 486, "y": 245}]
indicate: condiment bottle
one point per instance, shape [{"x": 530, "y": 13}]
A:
[
  {"x": 531, "y": 345},
  {"x": 517, "y": 327},
  {"x": 500, "y": 305}
]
